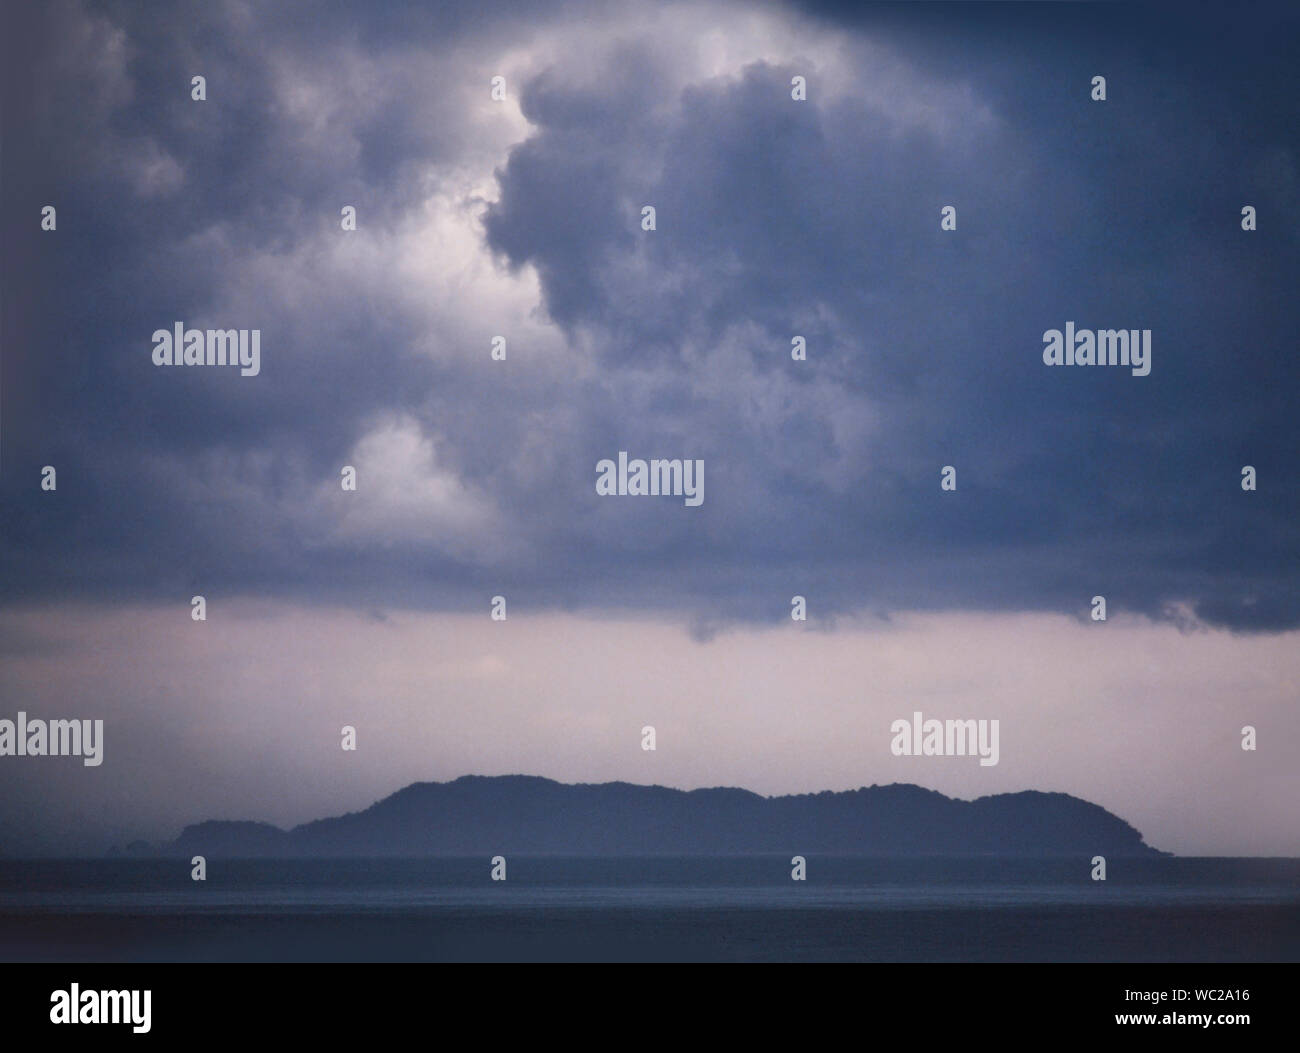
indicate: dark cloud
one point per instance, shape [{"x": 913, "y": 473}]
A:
[{"x": 774, "y": 218}]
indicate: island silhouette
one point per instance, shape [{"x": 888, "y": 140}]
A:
[{"x": 528, "y": 814}]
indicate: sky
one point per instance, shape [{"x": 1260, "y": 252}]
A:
[{"x": 522, "y": 218}]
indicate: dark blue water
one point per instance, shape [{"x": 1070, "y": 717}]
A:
[{"x": 738, "y": 909}]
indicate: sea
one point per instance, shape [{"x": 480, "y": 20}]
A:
[{"x": 744, "y": 909}]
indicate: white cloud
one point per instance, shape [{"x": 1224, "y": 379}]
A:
[{"x": 405, "y": 494}]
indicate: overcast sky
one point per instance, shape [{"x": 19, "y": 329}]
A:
[{"x": 774, "y": 218}]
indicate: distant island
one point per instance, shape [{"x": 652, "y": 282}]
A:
[{"x": 524, "y": 814}]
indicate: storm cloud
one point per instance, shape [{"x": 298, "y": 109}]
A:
[{"x": 775, "y": 218}]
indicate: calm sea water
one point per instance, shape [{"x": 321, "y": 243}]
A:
[{"x": 738, "y": 909}]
